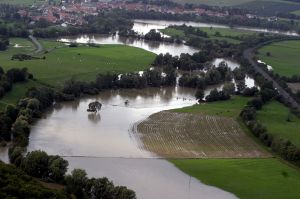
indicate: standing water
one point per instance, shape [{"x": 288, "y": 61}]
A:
[{"x": 102, "y": 144}]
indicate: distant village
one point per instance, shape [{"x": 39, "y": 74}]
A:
[
  {"x": 67, "y": 12},
  {"x": 72, "y": 13}
]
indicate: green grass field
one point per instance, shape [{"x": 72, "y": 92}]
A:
[
  {"x": 297, "y": 12},
  {"x": 23, "y": 2},
  {"x": 215, "y": 2},
  {"x": 63, "y": 63},
  {"x": 228, "y": 108},
  {"x": 225, "y": 33},
  {"x": 284, "y": 57},
  {"x": 274, "y": 116},
  {"x": 81, "y": 62},
  {"x": 246, "y": 178}
]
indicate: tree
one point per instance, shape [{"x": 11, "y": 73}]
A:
[
  {"x": 199, "y": 94},
  {"x": 76, "y": 182},
  {"x": 35, "y": 163},
  {"x": 57, "y": 168},
  {"x": 229, "y": 88}
]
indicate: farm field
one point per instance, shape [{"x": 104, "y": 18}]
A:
[
  {"x": 274, "y": 116},
  {"x": 246, "y": 178},
  {"x": 185, "y": 135},
  {"x": 80, "y": 62},
  {"x": 225, "y": 33},
  {"x": 284, "y": 57}
]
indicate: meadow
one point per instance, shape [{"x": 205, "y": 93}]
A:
[
  {"x": 297, "y": 12},
  {"x": 246, "y": 178},
  {"x": 229, "y": 108},
  {"x": 284, "y": 57},
  {"x": 22, "y": 2},
  {"x": 82, "y": 62},
  {"x": 225, "y": 33},
  {"x": 280, "y": 122},
  {"x": 62, "y": 63}
]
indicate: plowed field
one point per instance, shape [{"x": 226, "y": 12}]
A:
[{"x": 185, "y": 135}]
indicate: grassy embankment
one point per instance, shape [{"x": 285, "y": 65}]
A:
[
  {"x": 224, "y": 33},
  {"x": 284, "y": 57},
  {"x": 280, "y": 122},
  {"x": 258, "y": 178},
  {"x": 63, "y": 63}
]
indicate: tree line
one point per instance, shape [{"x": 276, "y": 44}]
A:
[{"x": 51, "y": 168}]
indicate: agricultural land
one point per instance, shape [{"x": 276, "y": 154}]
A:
[
  {"x": 229, "y": 35},
  {"x": 283, "y": 57}
]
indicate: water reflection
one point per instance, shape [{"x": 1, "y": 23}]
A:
[
  {"x": 94, "y": 117},
  {"x": 144, "y": 26},
  {"x": 155, "y": 47}
]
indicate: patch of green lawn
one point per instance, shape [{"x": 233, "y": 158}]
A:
[
  {"x": 81, "y": 62},
  {"x": 226, "y": 34},
  {"x": 297, "y": 12},
  {"x": 274, "y": 116},
  {"x": 246, "y": 178},
  {"x": 284, "y": 57},
  {"x": 18, "y": 91},
  {"x": 63, "y": 63},
  {"x": 228, "y": 108},
  {"x": 22, "y": 2}
]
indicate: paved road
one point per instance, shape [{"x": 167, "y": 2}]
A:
[
  {"x": 248, "y": 54},
  {"x": 38, "y": 46}
]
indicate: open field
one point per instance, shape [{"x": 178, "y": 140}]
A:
[
  {"x": 214, "y": 2},
  {"x": 284, "y": 57},
  {"x": 18, "y": 91},
  {"x": 270, "y": 7},
  {"x": 228, "y": 108},
  {"x": 185, "y": 135},
  {"x": 297, "y": 12},
  {"x": 225, "y": 33},
  {"x": 22, "y": 2},
  {"x": 63, "y": 63},
  {"x": 81, "y": 62},
  {"x": 274, "y": 116},
  {"x": 294, "y": 86},
  {"x": 247, "y": 178}
]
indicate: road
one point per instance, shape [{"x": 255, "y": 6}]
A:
[
  {"x": 248, "y": 54},
  {"x": 38, "y": 46}
]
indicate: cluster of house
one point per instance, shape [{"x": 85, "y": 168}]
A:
[{"x": 73, "y": 12}]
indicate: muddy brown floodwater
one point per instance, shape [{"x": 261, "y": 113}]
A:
[{"x": 103, "y": 145}]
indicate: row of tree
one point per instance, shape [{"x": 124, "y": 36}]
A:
[
  {"x": 285, "y": 148},
  {"x": 53, "y": 169}
]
